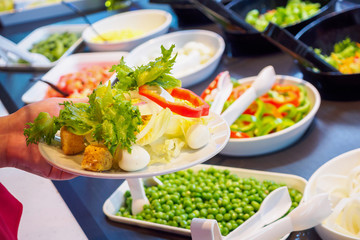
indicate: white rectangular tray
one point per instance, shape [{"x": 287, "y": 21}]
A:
[
  {"x": 116, "y": 200},
  {"x": 29, "y": 14},
  {"x": 70, "y": 64},
  {"x": 41, "y": 34}
]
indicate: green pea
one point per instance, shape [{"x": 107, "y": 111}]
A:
[
  {"x": 203, "y": 212},
  {"x": 255, "y": 205},
  {"x": 227, "y": 217},
  {"x": 224, "y": 231},
  {"x": 219, "y": 217},
  {"x": 166, "y": 208},
  {"x": 188, "y": 209}
]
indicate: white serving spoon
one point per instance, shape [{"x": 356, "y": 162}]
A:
[
  {"x": 33, "y": 58},
  {"x": 263, "y": 83},
  {"x": 272, "y": 208},
  {"x": 305, "y": 216},
  {"x": 136, "y": 187},
  {"x": 205, "y": 229},
  {"x": 224, "y": 89}
]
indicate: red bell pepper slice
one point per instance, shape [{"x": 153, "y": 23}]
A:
[
  {"x": 289, "y": 94},
  {"x": 234, "y": 134},
  {"x": 197, "y": 108},
  {"x": 211, "y": 86}
]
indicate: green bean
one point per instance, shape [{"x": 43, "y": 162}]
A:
[
  {"x": 54, "y": 46},
  {"x": 176, "y": 202}
]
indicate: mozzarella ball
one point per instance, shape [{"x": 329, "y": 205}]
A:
[
  {"x": 136, "y": 160},
  {"x": 197, "y": 136}
]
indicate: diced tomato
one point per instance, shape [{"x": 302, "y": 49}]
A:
[{"x": 79, "y": 84}]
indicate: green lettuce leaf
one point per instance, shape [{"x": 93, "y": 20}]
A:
[
  {"x": 156, "y": 72},
  {"x": 108, "y": 117},
  {"x": 44, "y": 128}
]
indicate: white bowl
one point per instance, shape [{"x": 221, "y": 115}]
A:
[
  {"x": 152, "y": 22},
  {"x": 278, "y": 140},
  {"x": 151, "y": 49},
  {"x": 340, "y": 165}
]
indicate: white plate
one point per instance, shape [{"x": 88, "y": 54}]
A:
[
  {"x": 41, "y": 34},
  {"x": 212, "y": 40},
  {"x": 278, "y": 140},
  {"x": 116, "y": 200},
  {"x": 340, "y": 165},
  {"x": 188, "y": 158},
  {"x": 70, "y": 64}
]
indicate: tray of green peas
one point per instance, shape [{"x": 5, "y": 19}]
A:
[
  {"x": 229, "y": 195},
  {"x": 53, "y": 41}
]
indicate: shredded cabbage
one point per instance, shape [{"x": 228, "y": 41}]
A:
[
  {"x": 165, "y": 149},
  {"x": 179, "y": 125},
  {"x": 155, "y": 128}
]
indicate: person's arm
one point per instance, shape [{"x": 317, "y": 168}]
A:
[{"x": 13, "y": 149}]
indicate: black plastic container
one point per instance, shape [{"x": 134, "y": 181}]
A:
[
  {"x": 323, "y": 34},
  {"x": 187, "y": 14},
  {"x": 253, "y": 43}
]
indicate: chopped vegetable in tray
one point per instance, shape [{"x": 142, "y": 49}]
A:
[
  {"x": 212, "y": 194},
  {"x": 345, "y": 56},
  {"x": 281, "y": 107},
  {"x": 82, "y": 83},
  {"x": 54, "y": 46},
  {"x": 295, "y": 11}
]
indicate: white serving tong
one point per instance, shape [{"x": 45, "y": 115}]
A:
[
  {"x": 305, "y": 216},
  {"x": 274, "y": 206},
  {"x": 7, "y": 46},
  {"x": 224, "y": 89},
  {"x": 262, "y": 83}
]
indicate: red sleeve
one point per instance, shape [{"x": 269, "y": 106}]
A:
[{"x": 10, "y": 214}]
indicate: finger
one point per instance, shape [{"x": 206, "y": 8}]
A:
[{"x": 75, "y": 100}]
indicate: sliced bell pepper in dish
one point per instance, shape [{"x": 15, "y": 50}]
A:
[
  {"x": 238, "y": 91},
  {"x": 282, "y": 94},
  {"x": 187, "y": 103}
]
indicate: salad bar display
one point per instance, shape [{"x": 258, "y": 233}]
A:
[{"x": 148, "y": 118}]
